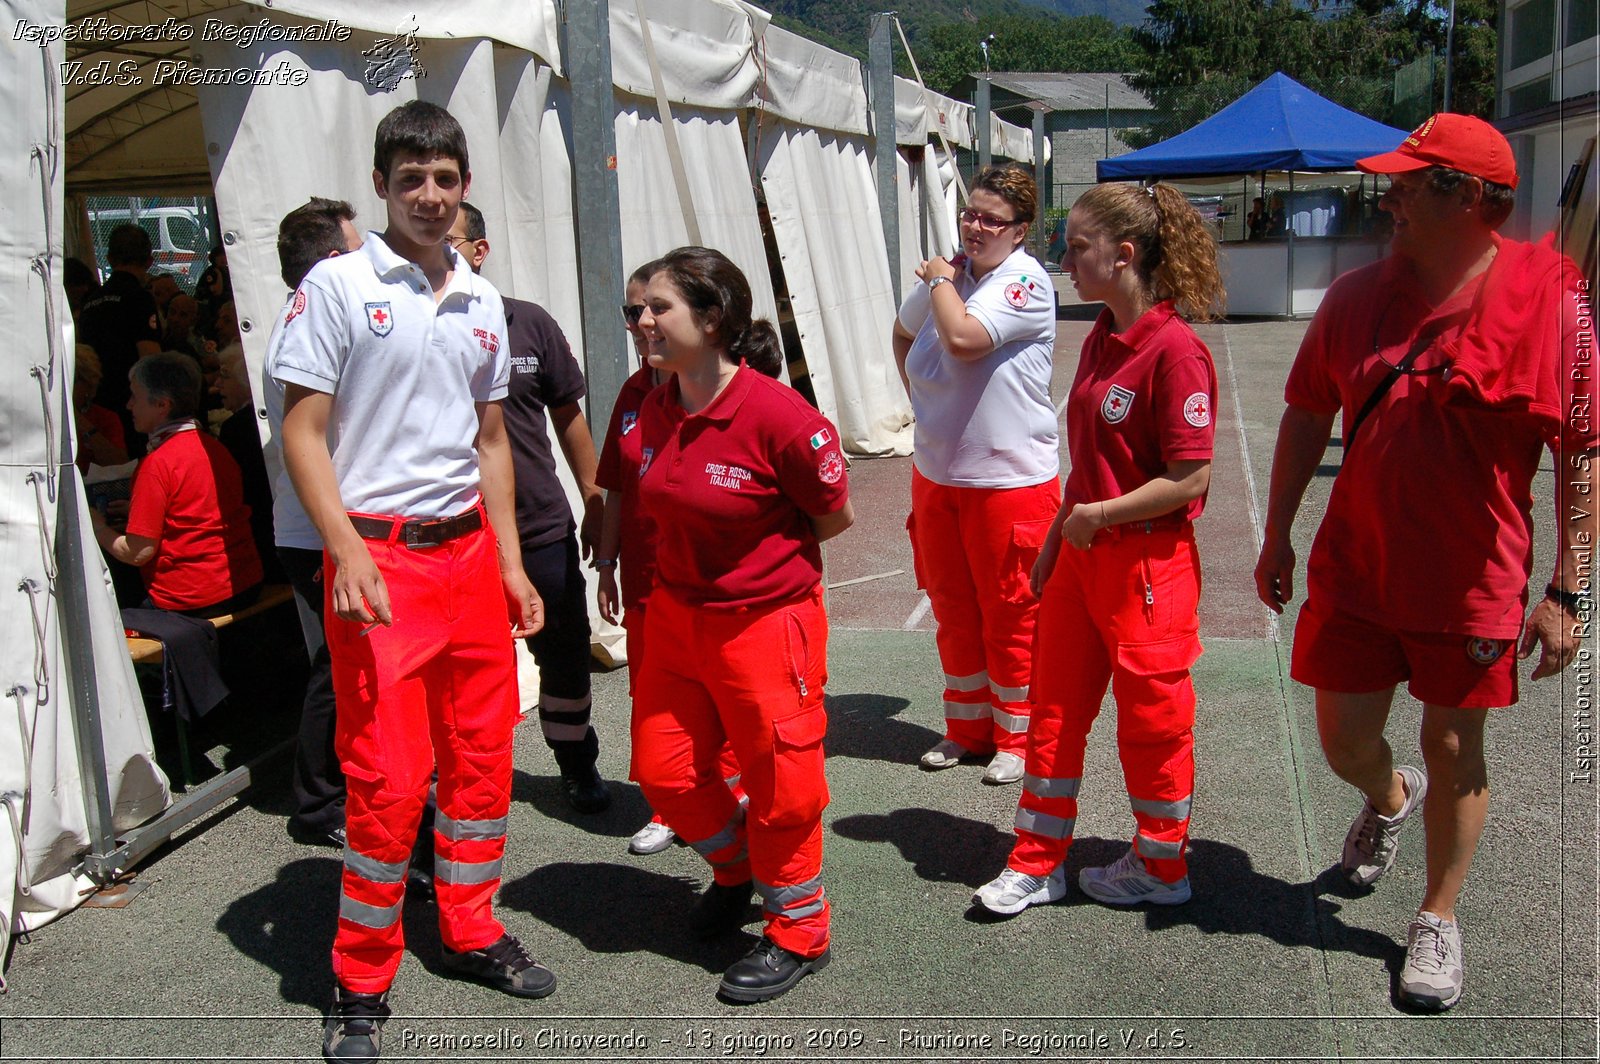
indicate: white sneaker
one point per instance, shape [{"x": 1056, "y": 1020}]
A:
[
  {"x": 1011, "y": 891},
  {"x": 1374, "y": 839},
  {"x": 652, "y": 838},
  {"x": 945, "y": 753},
  {"x": 1004, "y": 768},
  {"x": 1433, "y": 974},
  {"x": 1126, "y": 882}
]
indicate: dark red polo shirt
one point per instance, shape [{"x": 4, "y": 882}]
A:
[
  {"x": 1140, "y": 400},
  {"x": 619, "y": 471},
  {"x": 732, "y": 489}
]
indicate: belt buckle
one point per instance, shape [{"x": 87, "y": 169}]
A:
[{"x": 411, "y": 534}]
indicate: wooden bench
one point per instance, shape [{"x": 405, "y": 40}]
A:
[{"x": 148, "y": 651}]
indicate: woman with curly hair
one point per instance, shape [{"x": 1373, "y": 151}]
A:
[{"x": 1120, "y": 605}]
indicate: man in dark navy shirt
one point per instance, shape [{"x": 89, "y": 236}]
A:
[
  {"x": 120, "y": 323},
  {"x": 545, "y": 377}
]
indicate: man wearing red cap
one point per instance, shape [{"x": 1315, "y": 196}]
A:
[{"x": 1454, "y": 361}]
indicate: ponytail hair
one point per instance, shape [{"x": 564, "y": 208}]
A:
[
  {"x": 1177, "y": 253},
  {"x": 718, "y": 292}
]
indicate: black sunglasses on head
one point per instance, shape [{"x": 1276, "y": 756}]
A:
[{"x": 632, "y": 312}]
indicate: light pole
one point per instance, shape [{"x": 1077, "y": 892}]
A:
[{"x": 1449, "y": 53}]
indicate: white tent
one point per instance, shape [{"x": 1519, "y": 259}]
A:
[{"x": 288, "y": 94}]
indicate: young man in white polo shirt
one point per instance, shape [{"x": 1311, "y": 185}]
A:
[{"x": 394, "y": 363}]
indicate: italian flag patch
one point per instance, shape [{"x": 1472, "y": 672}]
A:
[{"x": 821, "y": 439}]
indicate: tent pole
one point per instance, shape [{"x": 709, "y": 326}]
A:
[
  {"x": 980, "y": 103},
  {"x": 596, "y": 205},
  {"x": 83, "y": 692},
  {"x": 1288, "y": 219},
  {"x": 880, "y": 76}
]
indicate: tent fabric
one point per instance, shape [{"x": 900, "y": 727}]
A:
[
  {"x": 824, "y": 210},
  {"x": 921, "y": 115},
  {"x": 719, "y": 173},
  {"x": 811, "y": 85},
  {"x": 530, "y": 27},
  {"x": 44, "y": 829},
  {"x": 1278, "y": 125},
  {"x": 706, "y": 50}
]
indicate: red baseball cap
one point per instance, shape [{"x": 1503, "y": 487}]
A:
[{"x": 1460, "y": 142}]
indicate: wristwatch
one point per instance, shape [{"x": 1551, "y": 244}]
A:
[
  {"x": 605, "y": 563},
  {"x": 936, "y": 282},
  {"x": 1571, "y": 601}
]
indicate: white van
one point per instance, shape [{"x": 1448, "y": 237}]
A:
[{"x": 178, "y": 239}]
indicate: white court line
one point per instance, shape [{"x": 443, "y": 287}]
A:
[
  {"x": 917, "y": 614},
  {"x": 1249, "y": 474}
]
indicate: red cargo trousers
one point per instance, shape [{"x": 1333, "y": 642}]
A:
[
  {"x": 1123, "y": 612},
  {"x": 973, "y": 550},
  {"x": 752, "y": 678},
  {"x": 439, "y": 687}
]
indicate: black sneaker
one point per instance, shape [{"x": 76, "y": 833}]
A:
[
  {"x": 314, "y": 836},
  {"x": 768, "y": 971},
  {"x": 721, "y": 909},
  {"x": 504, "y": 965},
  {"x": 586, "y": 792},
  {"x": 351, "y": 1029}
]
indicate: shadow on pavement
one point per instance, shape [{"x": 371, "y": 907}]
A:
[
  {"x": 614, "y": 908},
  {"x": 288, "y": 926},
  {"x": 626, "y": 814},
  {"x": 941, "y": 847},
  {"x": 864, "y": 726}
]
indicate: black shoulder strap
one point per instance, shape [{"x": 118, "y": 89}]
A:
[{"x": 1396, "y": 371}]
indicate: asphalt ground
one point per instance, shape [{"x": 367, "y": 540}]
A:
[{"x": 223, "y": 954}]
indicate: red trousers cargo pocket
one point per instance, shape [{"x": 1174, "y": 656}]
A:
[
  {"x": 1027, "y": 540},
  {"x": 1160, "y": 656},
  {"x": 799, "y": 787}
]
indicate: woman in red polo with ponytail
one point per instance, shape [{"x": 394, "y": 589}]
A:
[
  {"x": 1119, "y": 599},
  {"x": 743, "y": 480}
]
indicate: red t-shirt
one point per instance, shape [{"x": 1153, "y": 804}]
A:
[
  {"x": 1429, "y": 526},
  {"x": 188, "y": 498},
  {"x": 1140, "y": 400},
  {"x": 731, "y": 490},
  {"x": 619, "y": 471}
]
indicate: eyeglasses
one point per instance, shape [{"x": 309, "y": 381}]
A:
[
  {"x": 987, "y": 222},
  {"x": 457, "y": 241},
  {"x": 632, "y": 312}
]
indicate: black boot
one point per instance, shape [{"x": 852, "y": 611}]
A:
[
  {"x": 580, "y": 780},
  {"x": 768, "y": 971},
  {"x": 721, "y": 909}
]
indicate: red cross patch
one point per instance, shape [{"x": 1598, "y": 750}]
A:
[
  {"x": 1115, "y": 406},
  {"x": 1197, "y": 410},
  {"x": 380, "y": 319},
  {"x": 1016, "y": 295},
  {"x": 296, "y": 307}
]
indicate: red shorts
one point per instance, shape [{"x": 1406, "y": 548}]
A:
[{"x": 1338, "y": 651}]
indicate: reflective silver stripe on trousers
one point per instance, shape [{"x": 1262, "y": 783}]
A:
[
  {"x": 976, "y": 682},
  {"x": 965, "y": 710},
  {"x": 1178, "y": 810},
  {"x": 467, "y": 830},
  {"x": 1052, "y": 787},
  {"x": 1015, "y": 723},
  {"x": 466, "y": 873},
  {"x": 373, "y": 916},
  {"x": 564, "y": 733},
  {"x": 1155, "y": 849},
  {"x": 552, "y": 704},
  {"x": 1051, "y": 827},
  {"x": 724, "y": 838},
  {"x": 373, "y": 870},
  {"x": 785, "y": 901},
  {"x": 1009, "y": 694}
]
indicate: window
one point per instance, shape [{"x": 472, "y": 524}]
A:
[
  {"x": 1529, "y": 97},
  {"x": 1582, "y": 22},
  {"x": 1532, "y": 32}
]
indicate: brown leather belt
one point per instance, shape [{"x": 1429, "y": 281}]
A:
[
  {"x": 418, "y": 531},
  {"x": 1165, "y": 522}
]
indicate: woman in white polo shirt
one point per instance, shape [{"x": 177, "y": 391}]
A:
[{"x": 975, "y": 342}]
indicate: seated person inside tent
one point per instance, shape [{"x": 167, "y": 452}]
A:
[
  {"x": 188, "y": 527},
  {"x": 100, "y": 439}
]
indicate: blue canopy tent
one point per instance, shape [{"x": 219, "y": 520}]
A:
[{"x": 1280, "y": 125}]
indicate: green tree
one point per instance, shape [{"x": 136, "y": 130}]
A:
[{"x": 948, "y": 51}]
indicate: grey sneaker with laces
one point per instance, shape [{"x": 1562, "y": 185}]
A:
[
  {"x": 1433, "y": 974},
  {"x": 1011, "y": 891},
  {"x": 351, "y": 1030},
  {"x": 1374, "y": 839}
]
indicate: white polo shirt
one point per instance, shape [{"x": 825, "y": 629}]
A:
[
  {"x": 404, "y": 374},
  {"x": 987, "y": 423},
  {"x": 291, "y": 527}
]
